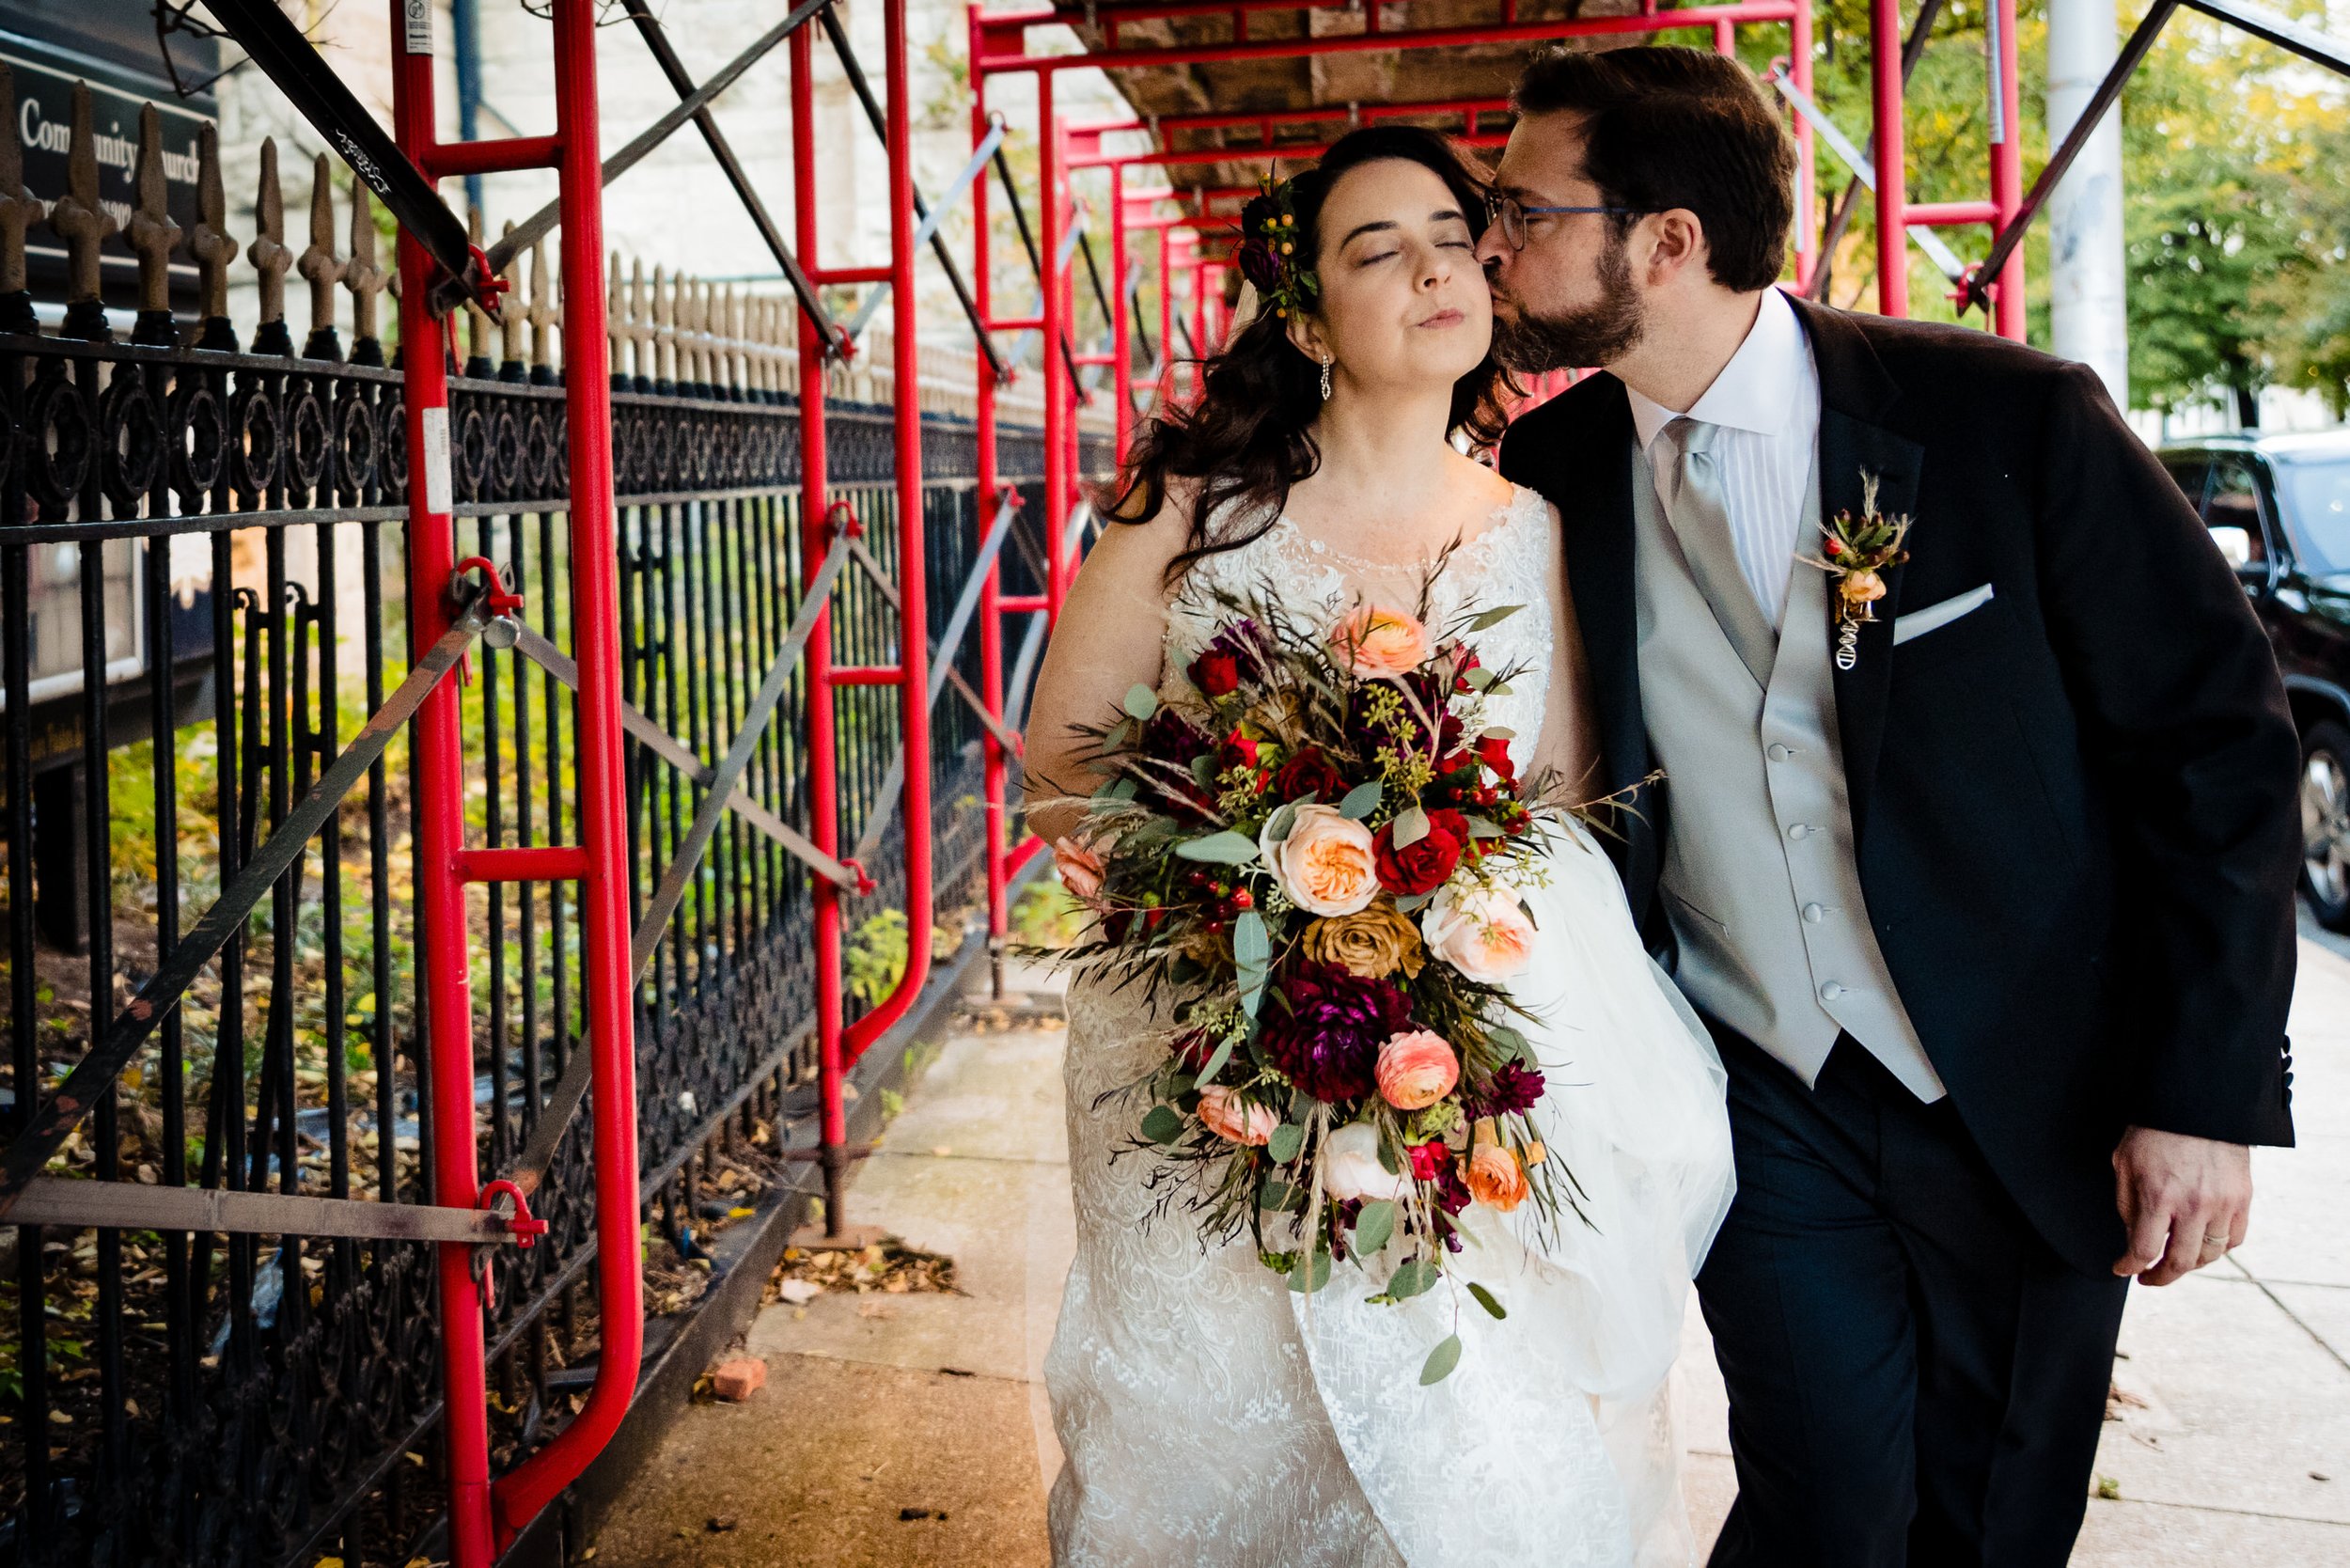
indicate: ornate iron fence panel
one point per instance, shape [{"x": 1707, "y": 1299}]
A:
[{"x": 203, "y": 595}]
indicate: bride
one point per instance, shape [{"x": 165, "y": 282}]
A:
[{"x": 1207, "y": 1416}]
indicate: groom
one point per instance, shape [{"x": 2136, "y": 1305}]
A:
[{"x": 1989, "y": 904}]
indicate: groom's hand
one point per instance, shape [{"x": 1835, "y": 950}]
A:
[{"x": 2185, "y": 1200}]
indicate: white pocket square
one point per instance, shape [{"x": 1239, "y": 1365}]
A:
[{"x": 1917, "y": 623}]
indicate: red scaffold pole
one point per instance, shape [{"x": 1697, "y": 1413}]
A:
[
  {"x": 912, "y": 668},
  {"x": 816, "y": 532},
  {"x": 1890, "y": 155},
  {"x": 1057, "y": 391},
  {"x": 996, "y": 775},
  {"x": 485, "y": 1518},
  {"x": 609, "y": 981},
  {"x": 445, "y": 992}
]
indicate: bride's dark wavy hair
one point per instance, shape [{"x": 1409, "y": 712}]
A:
[{"x": 1250, "y": 435}]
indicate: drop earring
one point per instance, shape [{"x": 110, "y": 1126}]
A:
[{"x": 1325, "y": 378}]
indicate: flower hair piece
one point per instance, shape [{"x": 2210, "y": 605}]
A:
[{"x": 1267, "y": 254}]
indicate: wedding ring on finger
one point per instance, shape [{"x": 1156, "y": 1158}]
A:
[{"x": 2215, "y": 1245}]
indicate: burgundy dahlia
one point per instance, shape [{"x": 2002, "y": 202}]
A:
[
  {"x": 1327, "y": 1038},
  {"x": 1511, "y": 1091}
]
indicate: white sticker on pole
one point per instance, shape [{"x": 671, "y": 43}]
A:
[
  {"x": 436, "y": 486},
  {"x": 417, "y": 17}
]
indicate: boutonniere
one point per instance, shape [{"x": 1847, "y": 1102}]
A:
[{"x": 1855, "y": 553}]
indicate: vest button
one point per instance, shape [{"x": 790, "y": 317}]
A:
[
  {"x": 1814, "y": 914},
  {"x": 1780, "y": 754},
  {"x": 1798, "y": 830},
  {"x": 1831, "y": 991}
]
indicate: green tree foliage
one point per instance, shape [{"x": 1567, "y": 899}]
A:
[{"x": 2237, "y": 219}]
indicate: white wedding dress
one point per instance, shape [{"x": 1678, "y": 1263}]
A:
[{"x": 1209, "y": 1418}]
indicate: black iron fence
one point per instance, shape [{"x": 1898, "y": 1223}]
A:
[{"x": 202, "y": 597}]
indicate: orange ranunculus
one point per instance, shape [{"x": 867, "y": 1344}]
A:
[
  {"x": 1495, "y": 1178},
  {"x": 1417, "y": 1068},
  {"x": 1373, "y": 641},
  {"x": 1080, "y": 870},
  {"x": 1234, "y": 1120}
]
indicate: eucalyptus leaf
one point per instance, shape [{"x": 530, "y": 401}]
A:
[
  {"x": 1478, "y": 679},
  {"x": 1163, "y": 1124},
  {"x": 1372, "y": 1226},
  {"x": 1441, "y": 1361},
  {"x": 1281, "y": 1197},
  {"x": 1311, "y": 1271},
  {"x": 1409, "y": 828},
  {"x": 1141, "y": 701},
  {"x": 1495, "y": 617},
  {"x": 1252, "y": 947},
  {"x": 1500, "y": 732},
  {"x": 1125, "y": 788},
  {"x": 1216, "y": 1063},
  {"x": 1360, "y": 801},
  {"x": 1412, "y": 1279},
  {"x": 1222, "y": 849},
  {"x": 1203, "y": 768},
  {"x": 1118, "y": 734},
  {"x": 1480, "y": 827},
  {"x": 1485, "y": 1299},
  {"x": 1405, "y": 904},
  {"x": 1287, "y": 1139}
]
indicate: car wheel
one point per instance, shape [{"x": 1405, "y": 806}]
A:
[{"x": 2326, "y": 824}]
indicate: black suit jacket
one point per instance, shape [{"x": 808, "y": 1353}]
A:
[{"x": 2075, "y": 808}]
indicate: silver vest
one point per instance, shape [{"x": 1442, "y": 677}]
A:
[{"x": 1759, "y": 877}]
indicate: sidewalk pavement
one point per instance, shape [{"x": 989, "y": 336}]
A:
[{"x": 911, "y": 1431}]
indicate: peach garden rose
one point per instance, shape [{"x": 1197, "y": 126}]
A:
[
  {"x": 1479, "y": 931},
  {"x": 1325, "y": 865}
]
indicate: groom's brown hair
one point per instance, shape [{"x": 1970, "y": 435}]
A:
[{"x": 1668, "y": 127}]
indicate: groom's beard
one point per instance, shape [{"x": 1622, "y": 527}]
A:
[{"x": 1584, "y": 338}]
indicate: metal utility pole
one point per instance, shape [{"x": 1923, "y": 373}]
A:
[{"x": 2088, "y": 287}]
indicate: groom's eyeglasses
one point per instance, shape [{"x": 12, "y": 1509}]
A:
[{"x": 1510, "y": 215}]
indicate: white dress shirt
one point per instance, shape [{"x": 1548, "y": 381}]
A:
[{"x": 1766, "y": 403}]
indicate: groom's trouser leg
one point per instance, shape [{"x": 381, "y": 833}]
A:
[{"x": 1914, "y": 1379}]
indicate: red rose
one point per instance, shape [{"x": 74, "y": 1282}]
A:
[
  {"x": 1216, "y": 674},
  {"x": 1309, "y": 772},
  {"x": 1240, "y": 747},
  {"x": 1421, "y": 866},
  {"x": 1495, "y": 751},
  {"x": 1430, "y": 1160}
]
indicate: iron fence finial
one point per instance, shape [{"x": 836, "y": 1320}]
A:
[
  {"x": 79, "y": 217},
  {"x": 318, "y": 263},
  {"x": 513, "y": 317},
  {"x": 362, "y": 274},
  {"x": 268, "y": 252},
  {"x": 19, "y": 208},
  {"x": 151, "y": 233}
]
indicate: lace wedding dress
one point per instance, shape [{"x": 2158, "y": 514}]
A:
[{"x": 1209, "y": 1416}]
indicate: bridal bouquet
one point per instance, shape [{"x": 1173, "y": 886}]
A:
[{"x": 1317, "y": 849}]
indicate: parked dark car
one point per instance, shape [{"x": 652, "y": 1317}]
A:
[{"x": 2278, "y": 508}]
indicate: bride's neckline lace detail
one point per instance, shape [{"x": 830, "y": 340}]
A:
[
  {"x": 1507, "y": 562},
  {"x": 1498, "y": 523}
]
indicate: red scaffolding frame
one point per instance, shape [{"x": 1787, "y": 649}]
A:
[
  {"x": 486, "y": 1513},
  {"x": 1191, "y": 258}
]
